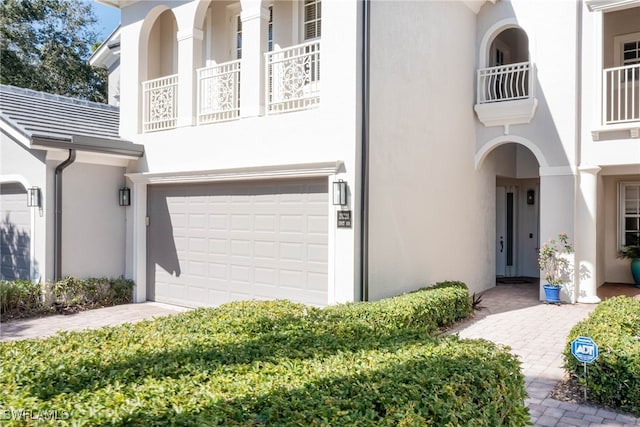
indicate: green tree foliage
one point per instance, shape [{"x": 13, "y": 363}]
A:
[{"x": 45, "y": 46}]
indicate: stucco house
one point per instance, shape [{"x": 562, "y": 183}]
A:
[
  {"x": 62, "y": 164},
  {"x": 344, "y": 150}
]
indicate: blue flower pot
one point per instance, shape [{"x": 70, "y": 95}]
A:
[
  {"x": 552, "y": 293},
  {"x": 635, "y": 271}
]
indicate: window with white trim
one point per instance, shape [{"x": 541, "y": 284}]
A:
[
  {"x": 312, "y": 15},
  {"x": 626, "y": 53},
  {"x": 629, "y": 225},
  {"x": 631, "y": 52}
]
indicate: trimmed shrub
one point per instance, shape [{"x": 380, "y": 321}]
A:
[
  {"x": 19, "y": 297},
  {"x": 267, "y": 363},
  {"x": 23, "y": 298},
  {"x": 428, "y": 308},
  {"x": 614, "y": 378},
  {"x": 92, "y": 291}
]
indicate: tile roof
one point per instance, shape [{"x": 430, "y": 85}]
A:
[{"x": 53, "y": 120}]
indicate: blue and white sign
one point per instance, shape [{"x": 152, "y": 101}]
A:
[{"x": 584, "y": 349}]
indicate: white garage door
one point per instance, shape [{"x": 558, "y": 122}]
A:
[
  {"x": 15, "y": 233},
  {"x": 213, "y": 243}
]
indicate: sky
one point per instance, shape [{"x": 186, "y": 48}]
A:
[{"x": 108, "y": 19}]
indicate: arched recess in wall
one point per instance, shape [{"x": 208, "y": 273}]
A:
[
  {"x": 505, "y": 42},
  {"x": 489, "y": 146},
  {"x": 221, "y": 28},
  {"x": 158, "y": 57}
]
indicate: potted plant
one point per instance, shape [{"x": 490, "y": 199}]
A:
[
  {"x": 555, "y": 265},
  {"x": 632, "y": 253}
]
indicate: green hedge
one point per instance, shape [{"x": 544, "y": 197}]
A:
[
  {"x": 268, "y": 363},
  {"x": 22, "y": 298},
  {"x": 440, "y": 305},
  {"x": 19, "y": 296},
  {"x": 614, "y": 378}
]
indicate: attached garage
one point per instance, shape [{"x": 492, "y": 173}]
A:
[
  {"x": 212, "y": 243},
  {"x": 15, "y": 232}
]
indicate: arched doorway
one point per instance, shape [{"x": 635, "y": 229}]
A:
[{"x": 517, "y": 208}]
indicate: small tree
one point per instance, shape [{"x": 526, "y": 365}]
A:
[
  {"x": 553, "y": 261},
  {"x": 45, "y": 46}
]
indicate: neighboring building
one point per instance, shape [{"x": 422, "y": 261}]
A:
[
  {"x": 107, "y": 56},
  {"x": 62, "y": 164},
  {"x": 467, "y": 133}
]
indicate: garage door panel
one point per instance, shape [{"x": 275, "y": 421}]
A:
[
  {"x": 242, "y": 240},
  {"x": 15, "y": 233}
]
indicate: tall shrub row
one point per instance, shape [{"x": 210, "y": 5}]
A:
[{"x": 614, "y": 378}]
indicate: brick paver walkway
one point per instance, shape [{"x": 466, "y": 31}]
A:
[
  {"x": 537, "y": 333},
  {"x": 109, "y": 316}
]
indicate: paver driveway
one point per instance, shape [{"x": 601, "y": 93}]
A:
[{"x": 537, "y": 333}]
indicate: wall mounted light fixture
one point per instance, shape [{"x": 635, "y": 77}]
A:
[
  {"x": 124, "y": 197},
  {"x": 531, "y": 197},
  {"x": 339, "y": 193},
  {"x": 33, "y": 197}
]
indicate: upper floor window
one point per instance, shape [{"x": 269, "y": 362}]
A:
[
  {"x": 629, "y": 214},
  {"x": 312, "y": 19},
  {"x": 631, "y": 52},
  {"x": 270, "y": 30}
]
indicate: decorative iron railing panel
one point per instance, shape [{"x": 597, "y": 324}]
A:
[
  {"x": 160, "y": 103},
  {"x": 293, "y": 78},
  {"x": 505, "y": 83},
  {"x": 621, "y": 94},
  {"x": 219, "y": 92}
]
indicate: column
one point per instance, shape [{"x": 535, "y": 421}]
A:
[
  {"x": 586, "y": 241},
  {"x": 139, "y": 241},
  {"x": 189, "y": 58},
  {"x": 254, "y": 19}
]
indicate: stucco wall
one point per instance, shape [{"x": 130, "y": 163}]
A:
[
  {"x": 93, "y": 224},
  {"x": 19, "y": 164},
  {"x": 553, "y": 53},
  {"x": 431, "y": 213}
]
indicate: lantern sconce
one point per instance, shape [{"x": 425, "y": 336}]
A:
[
  {"x": 531, "y": 197},
  {"x": 339, "y": 193},
  {"x": 33, "y": 197},
  {"x": 124, "y": 198}
]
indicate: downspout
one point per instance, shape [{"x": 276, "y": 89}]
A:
[
  {"x": 57, "y": 238},
  {"x": 364, "y": 178}
]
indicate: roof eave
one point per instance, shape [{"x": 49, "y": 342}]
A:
[{"x": 90, "y": 144}]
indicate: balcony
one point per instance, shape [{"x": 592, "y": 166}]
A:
[
  {"x": 293, "y": 78},
  {"x": 160, "y": 103},
  {"x": 621, "y": 95},
  {"x": 506, "y": 94},
  {"x": 219, "y": 92}
]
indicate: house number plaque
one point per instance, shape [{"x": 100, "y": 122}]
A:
[{"x": 344, "y": 219}]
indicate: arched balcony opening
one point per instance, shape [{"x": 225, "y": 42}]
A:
[
  {"x": 160, "y": 90},
  {"x": 508, "y": 76},
  {"x": 219, "y": 75},
  {"x": 506, "y": 83}
]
